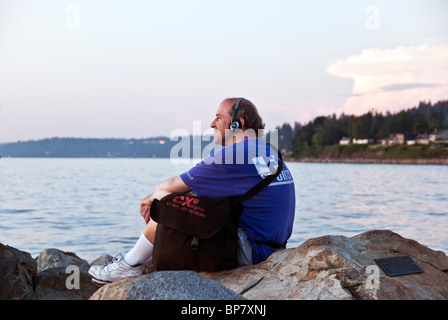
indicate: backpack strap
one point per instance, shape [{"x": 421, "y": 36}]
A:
[{"x": 263, "y": 183}]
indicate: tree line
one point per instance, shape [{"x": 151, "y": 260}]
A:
[{"x": 309, "y": 139}]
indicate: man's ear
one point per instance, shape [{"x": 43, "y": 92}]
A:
[{"x": 243, "y": 124}]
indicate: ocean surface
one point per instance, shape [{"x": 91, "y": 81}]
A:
[{"x": 92, "y": 206}]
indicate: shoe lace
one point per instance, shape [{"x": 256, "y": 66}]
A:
[
  {"x": 113, "y": 265},
  {"x": 118, "y": 258}
]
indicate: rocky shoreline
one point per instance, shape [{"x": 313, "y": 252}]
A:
[{"x": 330, "y": 267}]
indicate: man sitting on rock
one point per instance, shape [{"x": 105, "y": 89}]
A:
[{"x": 266, "y": 222}]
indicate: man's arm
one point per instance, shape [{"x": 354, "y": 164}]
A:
[{"x": 171, "y": 185}]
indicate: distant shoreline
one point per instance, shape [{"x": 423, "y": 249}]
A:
[
  {"x": 377, "y": 154},
  {"x": 419, "y": 161}
]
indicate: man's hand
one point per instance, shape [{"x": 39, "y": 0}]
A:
[
  {"x": 145, "y": 207},
  {"x": 174, "y": 184}
]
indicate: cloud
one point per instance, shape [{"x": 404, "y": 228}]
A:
[
  {"x": 393, "y": 79},
  {"x": 407, "y": 86}
]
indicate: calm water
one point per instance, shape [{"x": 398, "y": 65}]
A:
[{"x": 91, "y": 206}]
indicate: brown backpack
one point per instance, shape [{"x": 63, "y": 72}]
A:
[{"x": 197, "y": 232}]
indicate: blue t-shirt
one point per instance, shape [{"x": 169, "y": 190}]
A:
[{"x": 232, "y": 171}]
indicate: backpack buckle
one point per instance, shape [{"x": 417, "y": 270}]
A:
[{"x": 195, "y": 244}]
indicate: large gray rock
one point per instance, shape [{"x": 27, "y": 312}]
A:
[
  {"x": 17, "y": 270},
  {"x": 63, "y": 284},
  {"x": 179, "y": 285},
  {"x": 62, "y": 275},
  {"x": 340, "y": 268},
  {"x": 166, "y": 285},
  {"x": 55, "y": 258}
]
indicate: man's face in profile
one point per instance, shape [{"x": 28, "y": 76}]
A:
[{"x": 221, "y": 124}]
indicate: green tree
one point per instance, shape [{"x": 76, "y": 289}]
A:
[
  {"x": 419, "y": 124},
  {"x": 404, "y": 122},
  {"x": 285, "y": 136}
]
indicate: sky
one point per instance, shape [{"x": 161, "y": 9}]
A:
[{"x": 140, "y": 68}]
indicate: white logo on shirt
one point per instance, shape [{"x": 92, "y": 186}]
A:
[
  {"x": 264, "y": 169},
  {"x": 262, "y": 166}
]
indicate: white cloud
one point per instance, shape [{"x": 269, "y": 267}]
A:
[{"x": 393, "y": 79}]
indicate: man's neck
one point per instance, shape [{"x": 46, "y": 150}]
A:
[{"x": 241, "y": 136}]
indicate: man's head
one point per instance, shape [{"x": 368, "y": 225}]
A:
[{"x": 246, "y": 114}]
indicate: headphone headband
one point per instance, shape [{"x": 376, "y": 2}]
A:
[{"x": 235, "y": 124}]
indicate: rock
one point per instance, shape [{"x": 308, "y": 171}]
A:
[
  {"x": 166, "y": 285},
  {"x": 54, "y": 258},
  {"x": 17, "y": 270},
  {"x": 64, "y": 284},
  {"x": 62, "y": 276},
  {"x": 338, "y": 267},
  {"x": 102, "y": 260},
  {"x": 116, "y": 290},
  {"x": 290, "y": 274},
  {"x": 179, "y": 285}
]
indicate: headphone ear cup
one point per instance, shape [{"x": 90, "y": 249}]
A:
[{"x": 235, "y": 125}]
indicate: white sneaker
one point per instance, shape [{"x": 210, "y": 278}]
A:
[{"x": 118, "y": 269}]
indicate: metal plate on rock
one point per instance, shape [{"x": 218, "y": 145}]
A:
[{"x": 397, "y": 266}]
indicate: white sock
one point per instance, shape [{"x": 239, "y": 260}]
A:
[{"x": 140, "y": 253}]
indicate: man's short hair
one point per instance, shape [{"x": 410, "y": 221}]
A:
[{"x": 249, "y": 113}]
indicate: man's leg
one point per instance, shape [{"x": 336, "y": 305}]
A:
[
  {"x": 130, "y": 264},
  {"x": 150, "y": 230},
  {"x": 142, "y": 250}
]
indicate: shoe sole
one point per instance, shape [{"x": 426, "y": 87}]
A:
[
  {"x": 100, "y": 282},
  {"x": 103, "y": 282}
]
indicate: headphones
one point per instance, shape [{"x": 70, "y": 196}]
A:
[{"x": 235, "y": 124}]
